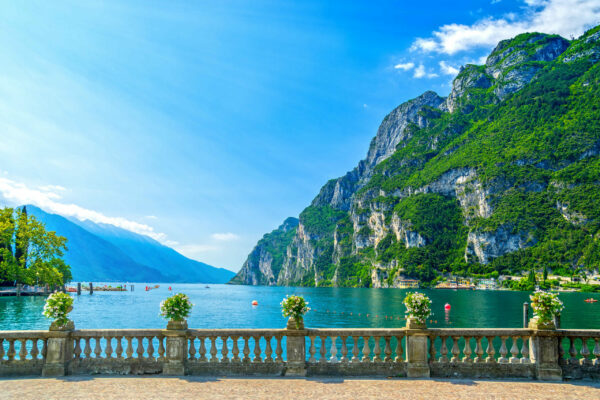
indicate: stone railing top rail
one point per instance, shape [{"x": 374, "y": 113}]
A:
[
  {"x": 236, "y": 332},
  {"x": 117, "y": 332},
  {"x": 25, "y": 334}
]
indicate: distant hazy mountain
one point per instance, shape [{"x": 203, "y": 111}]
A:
[{"x": 102, "y": 252}]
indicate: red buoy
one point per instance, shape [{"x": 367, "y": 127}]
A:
[
  {"x": 447, "y": 306},
  {"x": 254, "y": 303}
]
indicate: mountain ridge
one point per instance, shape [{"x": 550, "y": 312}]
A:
[{"x": 482, "y": 180}]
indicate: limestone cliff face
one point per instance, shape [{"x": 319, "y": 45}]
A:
[{"x": 407, "y": 204}]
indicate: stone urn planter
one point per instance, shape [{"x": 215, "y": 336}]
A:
[
  {"x": 535, "y": 323},
  {"x": 179, "y": 325},
  {"x": 413, "y": 323},
  {"x": 69, "y": 326},
  {"x": 293, "y": 324}
]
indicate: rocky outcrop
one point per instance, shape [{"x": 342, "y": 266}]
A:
[
  {"x": 484, "y": 246},
  {"x": 469, "y": 77}
]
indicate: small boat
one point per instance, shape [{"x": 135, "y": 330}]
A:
[
  {"x": 71, "y": 289},
  {"x": 207, "y": 287},
  {"x": 590, "y": 300}
]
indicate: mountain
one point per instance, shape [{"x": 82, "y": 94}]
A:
[
  {"x": 100, "y": 252},
  {"x": 502, "y": 175}
]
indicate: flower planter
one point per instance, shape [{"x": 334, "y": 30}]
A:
[
  {"x": 413, "y": 323},
  {"x": 69, "y": 326},
  {"x": 293, "y": 324},
  {"x": 535, "y": 323},
  {"x": 177, "y": 325}
]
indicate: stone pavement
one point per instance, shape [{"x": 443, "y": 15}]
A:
[{"x": 155, "y": 387}]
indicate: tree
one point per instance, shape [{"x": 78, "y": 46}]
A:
[
  {"x": 545, "y": 275},
  {"x": 29, "y": 253}
]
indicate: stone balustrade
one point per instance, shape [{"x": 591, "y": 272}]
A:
[{"x": 474, "y": 353}]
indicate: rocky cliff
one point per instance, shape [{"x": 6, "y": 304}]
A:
[{"x": 501, "y": 175}]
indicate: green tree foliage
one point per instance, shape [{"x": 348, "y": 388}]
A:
[{"x": 30, "y": 254}]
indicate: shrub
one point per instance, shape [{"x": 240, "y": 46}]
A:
[
  {"x": 295, "y": 307},
  {"x": 545, "y": 305},
  {"x": 418, "y": 306},
  {"x": 176, "y": 307},
  {"x": 58, "y": 306}
]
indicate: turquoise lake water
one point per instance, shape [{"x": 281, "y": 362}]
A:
[{"x": 226, "y": 306}]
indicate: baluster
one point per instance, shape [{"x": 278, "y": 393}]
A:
[
  {"x": 387, "y": 350},
  {"x": 444, "y": 350},
  {"x": 561, "y": 352},
  {"x": 525, "y": 350},
  {"x": 23, "y": 349},
  {"x": 432, "y": 349},
  {"x": 213, "y": 349},
  {"x": 225, "y": 350},
  {"x": 87, "y": 350},
  {"x": 585, "y": 353},
  {"x": 491, "y": 352},
  {"x": 399, "y": 349},
  {"x": 355, "y": 349},
  {"x": 279, "y": 349},
  {"x": 11, "y": 350},
  {"x": 140, "y": 347},
  {"x": 202, "y": 349},
  {"x": 97, "y": 346},
  {"x": 503, "y": 351},
  {"x": 269, "y": 350},
  {"x": 572, "y": 352},
  {"x": 479, "y": 350},
  {"x": 312, "y": 349},
  {"x": 455, "y": 350},
  {"x": 333, "y": 350},
  {"x": 514, "y": 351},
  {"x": 108, "y": 351},
  {"x": 77, "y": 348},
  {"x": 34, "y": 349},
  {"x": 467, "y": 350},
  {"x": 596, "y": 351},
  {"x": 235, "y": 349},
  {"x": 161, "y": 348},
  {"x": 366, "y": 350},
  {"x": 377, "y": 350},
  {"x": 1, "y": 349},
  {"x": 129, "y": 350},
  {"x": 257, "y": 358},
  {"x": 246, "y": 350},
  {"x": 119, "y": 349},
  {"x": 323, "y": 350},
  {"x": 192, "y": 348},
  {"x": 150, "y": 349},
  {"x": 344, "y": 358}
]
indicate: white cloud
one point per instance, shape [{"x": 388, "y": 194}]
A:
[
  {"x": 225, "y": 237},
  {"x": 420, "y": 72},
  {"x": 495, "y": 1},
  {"x": 46, "y": 198},
  {"x": 405, "y": 66},
  {"x": 195, "y": 250},
  {"x": 563, "y": 17},
  {"x": 448, "y": 69}
]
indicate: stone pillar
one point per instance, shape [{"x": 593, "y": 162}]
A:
[
  {"x": 295, "y": 348},
  {"x": 18, "y": 289},
  {"x": 543, "y": 346},
  {"x": 417, "y": 365},
  {"x": 91, "y": 288},
  {"x": 59, "y": 350},
  {"x": 47, "y": 289},
  {"x": 78, "y": 288},
  {"x": 525, "y": 315},
  {"x": 177, "y": 348}
]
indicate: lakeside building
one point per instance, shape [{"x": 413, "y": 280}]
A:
[
  {"x": 487, "y": 284},
  {"x": 408, "y": 284}
]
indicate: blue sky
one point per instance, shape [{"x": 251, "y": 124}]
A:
[{"x": 206, "y": 124}]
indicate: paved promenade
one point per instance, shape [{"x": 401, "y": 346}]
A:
[{"x": 149, "y": 387}]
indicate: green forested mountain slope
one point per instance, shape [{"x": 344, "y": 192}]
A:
[{"x": 502, "y": 175}]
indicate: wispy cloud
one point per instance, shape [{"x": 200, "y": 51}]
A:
[
  {"x": 448, "y": 69},
  {"x": 46, "y": 197},
  {"x": 405, "y": 66},
  {"x": 563, "y": 17},
  {"x": 225, "y": 237},
  {"x": 421, "y": 72}
]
